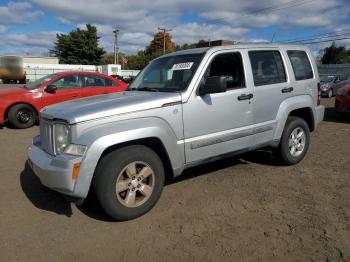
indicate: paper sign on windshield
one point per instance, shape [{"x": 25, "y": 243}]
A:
[{"x": 182, "y": 66}]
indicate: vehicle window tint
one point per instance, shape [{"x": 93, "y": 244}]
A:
[
  {"x": 301, "y": 65},
  {"x": 267, "y": 67},
  {"x": 93, "y": 81},
  {"x": 68, "y": 81},
  {"x": 109, "y": 82},
  {"x": 230, "y": 66}
]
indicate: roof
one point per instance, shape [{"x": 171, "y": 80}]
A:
[{"x": 226, "y": 47}]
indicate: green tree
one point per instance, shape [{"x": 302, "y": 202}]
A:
[
  {"x": 79, "y": 47},
  {"x": 190, "y": 46},
  {"x": 335, "y": 55}
]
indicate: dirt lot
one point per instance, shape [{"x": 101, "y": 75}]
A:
[{"x": 246, "y": 208}]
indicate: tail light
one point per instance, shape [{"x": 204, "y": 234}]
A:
[{"x": 318, "y": 93}]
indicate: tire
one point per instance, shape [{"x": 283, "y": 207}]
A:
[
  {"x": 116, "y": 168},
  {"x": 301, "y": 145},
  {"x": 330, "y": 93},
  {"x": 22, "y": 116}
]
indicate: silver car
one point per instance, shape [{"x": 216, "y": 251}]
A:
[
  {"x": 331, "y": 83},
  {"x": 184, "y": 109}
]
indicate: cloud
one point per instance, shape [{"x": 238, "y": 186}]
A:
[
  {"x": 190, "y": 20},
  {"x": 3, "y": 29},
  {"x": 18, "y": 13},
  {"x": 38, "y": 39}
]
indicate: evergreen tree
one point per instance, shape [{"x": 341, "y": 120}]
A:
[{"x": 79, "y": 47}]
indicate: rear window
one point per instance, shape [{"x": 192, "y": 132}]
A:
[
  {"x": 301, "y": 65},
  {"x": 267, "y": 67}
]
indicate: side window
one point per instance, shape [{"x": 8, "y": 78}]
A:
[
  {"x": 93, "y": 81},
  {"x": 230, "y": 66},
  {"x": 267, "y": 67},
  {"x": 109, "y": 82},
  {"x": 68, "y": 81},
  {"x": 301, "y": 65}
]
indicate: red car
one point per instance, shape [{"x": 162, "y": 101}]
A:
[
  {"x": 342, "y": 100},
  {"x": 20, "y": 106}
]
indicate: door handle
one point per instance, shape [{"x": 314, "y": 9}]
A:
[
  {"x": 245, "y": 97},
  {"x": 74, "y": 95},
  {"x": 287, "y": 90}
]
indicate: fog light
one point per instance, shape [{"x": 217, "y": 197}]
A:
[{"x": 75, "y": 150}]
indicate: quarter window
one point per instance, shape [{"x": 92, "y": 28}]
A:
[
  {"x": 301, "y": 65},
  {"x": 267, "y": 67},
  {"x": 93, "y": 81}
]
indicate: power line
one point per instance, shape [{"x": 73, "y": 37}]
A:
[
  {"x": 315, "y": 35},
  {"x": 274, "y": 8},
  {"x": 318, "y": 38},
  {"x": 324, "y": 41}
]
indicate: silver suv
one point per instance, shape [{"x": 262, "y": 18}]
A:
[{"x": 184, "y": 109}]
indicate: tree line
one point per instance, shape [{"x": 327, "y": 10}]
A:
[{"x": 81, "y": 46}]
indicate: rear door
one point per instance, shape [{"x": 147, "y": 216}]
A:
[
  {"x": 271, "y": 87},
  {"x": 68, "y": 88}
]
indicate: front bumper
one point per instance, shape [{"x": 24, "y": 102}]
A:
[
  {"x": 54, "y": 172},
  {"x": 342, "y": 104}
]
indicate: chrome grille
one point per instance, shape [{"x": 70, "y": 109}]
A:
[{"x": 46, "y": 136}]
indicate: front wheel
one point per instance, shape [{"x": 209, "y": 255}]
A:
[
  {"x": 128, "y": 182},
  {"x": 22, "y": 116},
  {"x": 295, "y": 141},
  {"x": 330, "y": 93}
]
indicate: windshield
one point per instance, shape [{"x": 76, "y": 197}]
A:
[
  {"x": 167, "y": 74},
  {"x": 38, "y": 82}
]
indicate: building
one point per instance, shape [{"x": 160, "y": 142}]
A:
[
  {"x": 40, "y": 60},
  {"x": 216, "y": 43}
]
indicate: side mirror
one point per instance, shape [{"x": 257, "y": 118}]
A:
[
  {"x": 51, "y": 89},
  {"x": 213, "y": 84}
]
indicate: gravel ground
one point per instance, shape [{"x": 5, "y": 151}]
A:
[{"x": 246, "y": 208}]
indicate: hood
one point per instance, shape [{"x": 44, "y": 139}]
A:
[
  {"x": 12, "y": 91},
  {"x": 95, "y": 107}
]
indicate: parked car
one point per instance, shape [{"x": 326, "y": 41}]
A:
[
  {"x": 331, "y": 84},
  {"x": 342, "y": 100},
  {"x": 184, "y": 109},
  {"x": 19, "y": 106}
]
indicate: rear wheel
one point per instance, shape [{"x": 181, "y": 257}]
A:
[
  {"x": 128, "y": 182},
  {"x": 22, "y": 116},
  {"x": 295, "y": 141}
]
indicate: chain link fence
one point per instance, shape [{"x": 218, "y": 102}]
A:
[{"x": 334, "y": 69}]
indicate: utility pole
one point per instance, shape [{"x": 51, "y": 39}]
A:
[
  {"x": 116, "y": 46},
  {"x": 164, "y": 30}
]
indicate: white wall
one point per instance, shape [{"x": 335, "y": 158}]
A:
[{"x": 36, "y": 71}]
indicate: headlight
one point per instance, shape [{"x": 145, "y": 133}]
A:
[
  {"x": 325, "y": 86},
  {"x": 61, "y": 133}
]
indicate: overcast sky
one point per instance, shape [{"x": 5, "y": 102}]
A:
[{"x": 30, "y": 27}]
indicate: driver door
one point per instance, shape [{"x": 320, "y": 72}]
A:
[
  {"x": 219, "y": 123},
  {"x": 68, "y": 88}
]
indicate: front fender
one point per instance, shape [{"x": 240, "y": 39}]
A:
[
  {"x": 287, "y": 106},
  {"x": 99, "y": 138}
]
